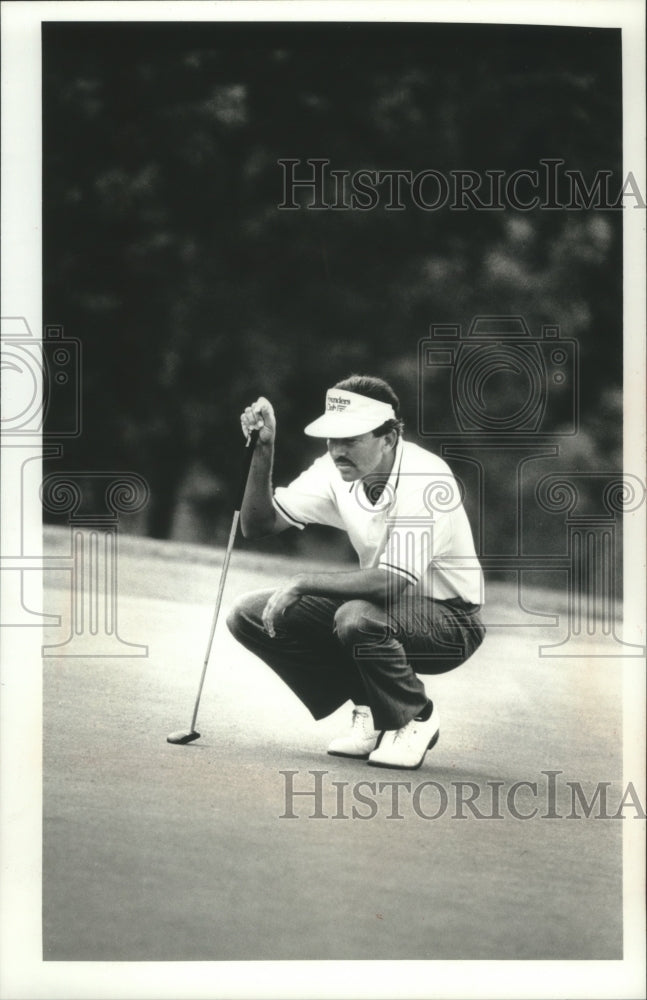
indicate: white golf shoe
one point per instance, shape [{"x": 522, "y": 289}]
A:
[
  {"x": 360, "y": 740},
  {"x": 405, "y": 748}
]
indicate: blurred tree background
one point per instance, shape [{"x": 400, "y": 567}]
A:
[{"x": 165, "y": 252}]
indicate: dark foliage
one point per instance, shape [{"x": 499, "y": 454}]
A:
[{"x": 166, "y": 254}]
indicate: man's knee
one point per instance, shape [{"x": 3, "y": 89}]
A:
[
  {"x": 355, "y": 620},
  {"x": 235, "y": 618},
  {"x": 246, "y": 610}
]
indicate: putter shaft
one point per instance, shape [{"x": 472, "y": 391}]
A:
[{"x": 180, "y": 737}]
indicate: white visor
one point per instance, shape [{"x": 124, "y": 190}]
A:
[{"x": 348, "y": 415}]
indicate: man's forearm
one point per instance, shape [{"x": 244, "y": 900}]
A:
[
  {"x": 257, "y": 514},
  {"x": 375, "y": 585},
  {"x": 366, "y": 584}
]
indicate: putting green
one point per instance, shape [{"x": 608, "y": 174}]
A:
[{"x": 161, "y": 852}]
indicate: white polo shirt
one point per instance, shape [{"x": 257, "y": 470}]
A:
[{"x": 418, "y": 528}]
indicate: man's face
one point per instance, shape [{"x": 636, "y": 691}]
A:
[{"x": 358, "y": 457}]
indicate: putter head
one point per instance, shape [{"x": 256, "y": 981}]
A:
[{"x": 182, "y": 737}]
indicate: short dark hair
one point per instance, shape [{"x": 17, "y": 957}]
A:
[{"x": 375, "y": 388}]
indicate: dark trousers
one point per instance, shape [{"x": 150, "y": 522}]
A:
[{"x": 329, "y": 651}]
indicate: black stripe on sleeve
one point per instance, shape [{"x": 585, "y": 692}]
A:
[
  {"x": 288, "y": 517},
  {"x": 400, "y": 570}
]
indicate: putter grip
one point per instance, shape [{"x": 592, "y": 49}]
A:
[{"x": 249, "y": 454}]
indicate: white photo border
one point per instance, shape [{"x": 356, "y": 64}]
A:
[{"x": 23, "y": 973}]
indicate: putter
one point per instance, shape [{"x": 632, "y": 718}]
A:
[{"x": 188, "y": 737}]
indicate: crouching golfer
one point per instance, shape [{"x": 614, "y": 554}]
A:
[{"x": 413, "y": 605}]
